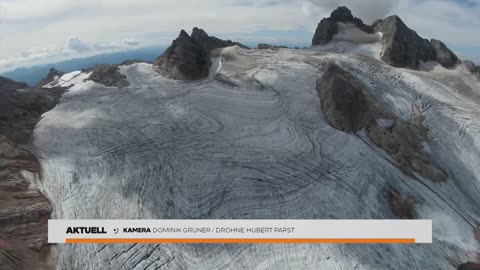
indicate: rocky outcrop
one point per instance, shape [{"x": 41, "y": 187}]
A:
[
  {"x": 109, "y": 75},
  {"x": 8, "y": 85},
  {"x": 401, "y": 205},
  {"x": 349, "y": 107},
  {"x": 469, "y": 266},
  {"x": 52, "y": 75},
  {"x": 24, "y": 210},
  {"x": 211, "y": 42},
  {"x": 402, "y": 47},
  {"x": 344, "y": 15},
  {"x": 328, "y": 27},
  {"x": 264, "y": 46},
  {"x": 343, "y": 100},
  {"x": 444, "y": 56},
  {"x": 471, "y": 67},
  {"x": 188, "y": 58},
  {"x": 20, "y": 108},
  {"x": 324, "y": 32},
  {"x": 185, "y": 59}
]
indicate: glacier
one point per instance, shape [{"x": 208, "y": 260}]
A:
[{"x": 251, "y": 142}]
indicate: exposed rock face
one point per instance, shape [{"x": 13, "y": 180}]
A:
[
  {"x": 52, "y": 75},
  {"x": 24, "y": 211},
  {"x": 20, "y": 109},
  {"x": 264, "y": 46},
  {"x": 343, "y": 14},
  {"x": 185, "y": 59},
  {"x": 109, "y": 75},
  {"x": 401, "y": 205},
  {"x": 325, "y": 31},
  {"x": 8, "y": 85},
  {"x": 328, "y": 26},
  {"x": 349, "y": 107},
  {"x": 211, "y": 42},
  {"x": 444, "y": 55},
  {"x": 403, "y": 47},
  {"x": 472, "y": 68},
  {"x": 343, "y": 100},
  {"x": 469, "y": 266},
  {"x": 403, "y": 142}
]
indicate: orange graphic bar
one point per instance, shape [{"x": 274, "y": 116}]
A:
[{"x": 240, "y": 241}]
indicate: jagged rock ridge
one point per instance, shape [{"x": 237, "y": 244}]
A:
[
  {"x": 185, "y": 59},
  {"x": 188, "y": 58},
  {"x": 402, "y": 47},
  {"x": 328, "y": 27},
  {"x": 211, "y": 42}
]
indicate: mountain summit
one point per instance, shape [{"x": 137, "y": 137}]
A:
[
  {"x": 188, "y": 58},
  {"x": 401, "y": 46}
]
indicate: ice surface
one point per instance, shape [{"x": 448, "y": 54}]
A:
[
  {"x": 250, "y": 141},
  {"x": 68, "y": 79}
]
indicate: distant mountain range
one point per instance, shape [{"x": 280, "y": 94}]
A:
[{"x": 32, "y": 75}]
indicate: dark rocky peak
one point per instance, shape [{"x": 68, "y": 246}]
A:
[
  {"x": 403, "y": 47},
  {"x": 185, "y": 59},
  {"x": 325, "y": 31},
  {"x": 52, "y": 75},
  {"x": 329, "y": 26},
  {"x": 445, "y": 56},
  {"x": 183, "y": 34},
  {"x": 341, "y": 14},
  {"x": 188, "y": 58},
  {"x": 211, "y": 42}
]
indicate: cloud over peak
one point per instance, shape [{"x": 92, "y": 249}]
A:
[{"x": 368, "y": 10}]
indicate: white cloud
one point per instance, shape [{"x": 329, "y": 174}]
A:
[{"x": 74, "y": 47}]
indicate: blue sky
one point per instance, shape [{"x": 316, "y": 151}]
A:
[{"x": 33, "y": 31}]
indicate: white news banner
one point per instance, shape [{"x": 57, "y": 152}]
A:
[{"x": 240, "y": 231}]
